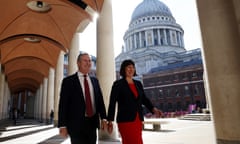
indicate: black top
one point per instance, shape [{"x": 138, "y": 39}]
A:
[{"x": 128, "y": 104}]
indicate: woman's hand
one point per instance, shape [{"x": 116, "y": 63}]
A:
[{"x": 110, "y": 127}]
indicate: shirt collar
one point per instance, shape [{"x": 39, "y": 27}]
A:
[{"x": 80, "y": 74}]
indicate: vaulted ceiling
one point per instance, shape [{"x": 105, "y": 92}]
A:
[{"x": 32, "y": 34}]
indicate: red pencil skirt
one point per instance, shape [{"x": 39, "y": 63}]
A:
[{"x": 131, "y": 132}]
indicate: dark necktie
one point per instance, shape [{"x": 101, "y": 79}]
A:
[{"x": 88, "y": 97}]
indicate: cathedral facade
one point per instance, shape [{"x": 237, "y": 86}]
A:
[{"x": 172, "y": 76}]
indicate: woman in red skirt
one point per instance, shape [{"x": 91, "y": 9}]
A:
[{"x": 129, "y": 95}]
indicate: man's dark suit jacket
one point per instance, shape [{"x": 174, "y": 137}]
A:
[
  {"x": 128, "y": 105},
  {"x": 72, "y": 105}
]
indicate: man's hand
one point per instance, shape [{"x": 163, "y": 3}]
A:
[
  {"x": 63, "y": 132},
  {"x": 104, "y": 124}
]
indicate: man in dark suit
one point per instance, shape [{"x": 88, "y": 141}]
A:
[{"x": 74, "y": 119}]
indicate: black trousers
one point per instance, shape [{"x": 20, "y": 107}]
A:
[{"x": 88, "y": 134}]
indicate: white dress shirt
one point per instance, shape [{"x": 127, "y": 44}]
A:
[{"x": 81, "y": 79}]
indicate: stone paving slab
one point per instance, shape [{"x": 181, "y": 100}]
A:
[{"x": 173, "y": 131}]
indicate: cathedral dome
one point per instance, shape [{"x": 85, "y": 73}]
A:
[
  {"x": 153, "y": 38},
  {"x": 150, "y": 8}
]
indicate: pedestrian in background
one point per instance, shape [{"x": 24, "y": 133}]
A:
[{"x": 51, "y": 116}]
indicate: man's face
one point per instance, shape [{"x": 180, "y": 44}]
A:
[{"x": 85, "y": 64}]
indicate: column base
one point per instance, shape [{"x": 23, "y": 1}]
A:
[
  {"x": 55, "y": 123},
  {"x": 221, "y": 141}
]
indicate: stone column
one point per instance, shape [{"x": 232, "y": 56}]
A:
[
  {"x": 58, "y": 81},
  {"x": 50, "y": 92},
  {"x": 2, "y": 80},
  {"x": 127, "y": 44},
  {"x": 5, "y": 100},
  {"x": 179, "y": 41},
  {"x": 146, "y": 38},
  {"x": 152, "y": 35},
  {"x": 182, "y": 41},
  {"x": 159, "y": 37},
  {"x": 36, "y": 105},
  {"x": 165, "y": 42},
  {"x": 140, "y": 40},
  {"x": 135, "y": 40},
  {"x": 131, "y": 42},
  {"x": 105, "y": 58},
  {"x": 73, "y": 53},
  {"x": 44, "y": 100},
  {"x": 221, "y": 40},
  {"x": 40, "y": 109}
]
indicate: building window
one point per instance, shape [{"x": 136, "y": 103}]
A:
[
  {"x": 65, "y": 71},
  {"x": 168, "y": 36},
  {"x": 66, "y": 59},
  {"x": 137, "y": 40},
  {"x": 170, "y": 107},
  {"x": 152, "y": 97},
  {"x": 185, "y": 77},
  {"x": 168, "y": 92},
  {"x": 149, "y": 38},
  {"x": 176, "y": 78},
  {"x": 162, "y": 37},
  {"x": 173, "y": 37},
  {"x": 179, "y": 106},
  {"x": 176, "y": 93},
  {"x": 160, "y": 93},
  {"x": 194, "y": 75},
  {"x": 155, "y": 35},
  {"x": 168, "y": 79},
  {"x": 196, "y": 90},
  {"x": 186, "y": 90}
]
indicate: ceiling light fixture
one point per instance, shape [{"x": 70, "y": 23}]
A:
[
  {"x": 32, "y": 39},
  {"x": 39, "y": 6}
]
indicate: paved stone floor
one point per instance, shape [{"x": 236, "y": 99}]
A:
[{"x": 173, "y": 131}]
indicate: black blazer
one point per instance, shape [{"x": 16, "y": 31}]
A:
[
  {"x": 128, "y": 105},
  {"x": 72, "y": 104}
]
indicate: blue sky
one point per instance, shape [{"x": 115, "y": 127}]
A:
[{"x": 184, "y": 11}]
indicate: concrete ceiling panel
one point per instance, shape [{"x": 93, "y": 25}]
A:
[
  {"x": 25, "y": 64},
  {"x": 29, "y": 63}
]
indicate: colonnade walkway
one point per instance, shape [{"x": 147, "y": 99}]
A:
[{"x": 173, "y": 131}]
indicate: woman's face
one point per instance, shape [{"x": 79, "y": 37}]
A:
[{"x": 130, "y": 70}]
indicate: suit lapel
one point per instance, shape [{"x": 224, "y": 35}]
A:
[
  {"x": 79, "y": 87},
  {"x": 94, "y": 84}
]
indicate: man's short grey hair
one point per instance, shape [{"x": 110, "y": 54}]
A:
[{"x": 80, "y": 55}]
